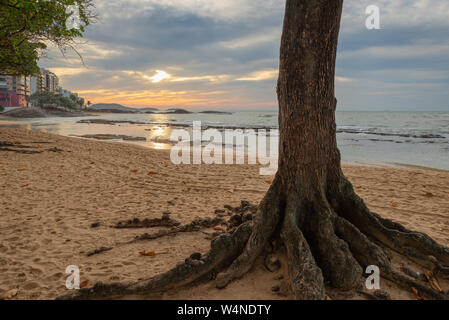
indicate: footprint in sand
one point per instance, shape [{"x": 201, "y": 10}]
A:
[
  {"x": 55, "y": 276},
  {"x": 30, "y": 286}
]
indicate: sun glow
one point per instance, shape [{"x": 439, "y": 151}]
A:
[{"x": 160, "y": 76}]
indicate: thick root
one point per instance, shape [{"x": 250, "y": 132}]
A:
[
  {"x": 408, "y": 283},
  {"x": 365, "y": 251},
  {"x": 332, "y": 253},
  {"x": 306, "y": 277},
  {"x": 265, "y": 224},
  {"x": 415, "y": 245}
]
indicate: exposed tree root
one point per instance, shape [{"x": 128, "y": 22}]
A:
[
  {"x": 265, "y": 224},
  {"x": 165, "y": 221},
  {"x": 223, "y": 250},
  {"x": 306, "y": 277},
  {"x": 417, "y": 246}
]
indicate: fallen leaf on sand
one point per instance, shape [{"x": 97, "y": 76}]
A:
[
  {"x": 22, "y": 169},
  {"x": 147, "y": 254},
  {"x": 418, "y": 294},
  {"x": 9, "y": 294},
  {"x": 269, "y": 182},
  {"x": 394, "y": 204},
  {"x": 151, "y": 173},
  {"x": 433, "y": 281},
  {"x": 218, "y": 228},
  {"x": 60, "y": 176},
  {"x": 84, "y": 284},
  {"x": 328, "y": 298},
  {"x": 134, "y": 171},
  {"x": 3, "y": 163},
  {"x": 428, "y": 195},
  {"x": 25, "y": 185}
]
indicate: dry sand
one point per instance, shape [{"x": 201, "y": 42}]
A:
[{"x": 50, "y": 199}]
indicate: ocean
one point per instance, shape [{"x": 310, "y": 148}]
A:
[{"x": 399, "y": 139}]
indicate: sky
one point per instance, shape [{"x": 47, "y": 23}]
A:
[{"x": 203, "y": 54}]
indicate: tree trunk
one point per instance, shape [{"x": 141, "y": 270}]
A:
[{"x": 308, "y": 154}]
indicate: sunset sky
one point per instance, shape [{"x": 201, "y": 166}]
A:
[{"x": 203, "y": 54}]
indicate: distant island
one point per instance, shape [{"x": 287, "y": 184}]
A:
[
  {"x": 118, "y": 108},
  {"x": 215, "y": 112},
  {"x": 176, "y": 111}
]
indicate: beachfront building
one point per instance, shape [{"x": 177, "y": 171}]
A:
[
  {"x": 71, "y": 95},
  {"x": 44, "y": 81},
  {"x": 14, "y": 90}
]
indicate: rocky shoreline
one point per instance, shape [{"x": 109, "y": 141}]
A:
[{"x": 34, "y": 112}]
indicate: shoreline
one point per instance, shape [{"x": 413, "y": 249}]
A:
[{"x": 61, "y": 195}]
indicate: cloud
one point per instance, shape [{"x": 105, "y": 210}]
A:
[{"x": 261, "y": 75}]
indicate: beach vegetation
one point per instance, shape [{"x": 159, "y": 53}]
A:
[
  {"x": 27, "y": 27},
  {"x": 50, "y": 100}
]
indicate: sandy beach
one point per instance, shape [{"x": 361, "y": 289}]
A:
[{"x": 61, "y": 196}]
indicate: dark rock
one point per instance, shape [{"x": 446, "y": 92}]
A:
[
  {"x": 110, "y": 122},
  {"x": 382, "y": 295},
  {"x": 219, "y": 211},
  {"x": 216, "y": 112},
  {"x": 165, "y": 221},
  {"x": 196, "y": 263},
  {"x": 196, "y": 256},
  {"x": 98, "y": 251},
  {"x": 235, "y": 220},
  {"x": 95, "y": 225},
  {"x": 112, "y": 137},
  {"x": 276, "y": 289},
  {"x": 245, "y": 204}
]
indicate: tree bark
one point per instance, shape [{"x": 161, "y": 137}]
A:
[{"x": 308, "y": 152}]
